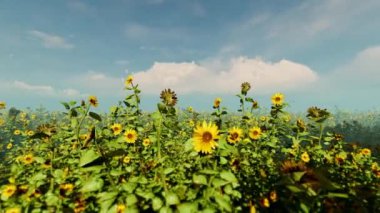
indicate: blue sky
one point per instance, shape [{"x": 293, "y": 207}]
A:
[{"x": 324, "y": 53}]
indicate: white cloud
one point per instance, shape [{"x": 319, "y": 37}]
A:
[
  {"x": 39, "y": 89},
  {"x": 154, "y": 33},
  {"x": 51, "y": 41},
  {"x": 265, "y": 77}
]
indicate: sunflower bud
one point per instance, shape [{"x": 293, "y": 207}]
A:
[{"x": 245, "y": 87}]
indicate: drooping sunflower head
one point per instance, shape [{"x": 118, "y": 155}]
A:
[
  {"x": 278, "y": 99},
  {"x": 245, "y": 87},
  {"x": 290, "y": 166},
  {"x": 254, "y": 133},
  {"x": 317, "y": 114},
  {"x": 234, "y": 135},
  {"x": 3, "y": 105},
  {"x": 93, "y": 100},
  {"x": 205, "y": 137},
  {"x": 130, "y": 136},
  {"x": 9, "y": 190},
  {"x": 116, "y": 128},
  {"x": 168, "y": 97},
  {"x": 217, "y": 102}
]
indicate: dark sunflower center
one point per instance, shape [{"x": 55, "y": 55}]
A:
[
  {"x": 278, "y": 99},
  {"x": 130, "y": 136},
  {"x": 255, "y": 132},
  {"x": 234, "y": 136},
  {"x": 207, "y": 136}
]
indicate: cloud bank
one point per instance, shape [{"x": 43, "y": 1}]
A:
[
  {"x": 265, "y": 77},
  {"x": 51, "y": 41}
]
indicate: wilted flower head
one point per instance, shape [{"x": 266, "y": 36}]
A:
[
  {"x": 245, "y": 87},
  {"x": 317, "y": 114},
  {"x": 168, "y": 97}
]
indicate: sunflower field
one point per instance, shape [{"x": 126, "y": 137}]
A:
[{"x": 174, "y": 160}]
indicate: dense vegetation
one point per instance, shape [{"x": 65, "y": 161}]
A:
[{"x": 176, "y": 160}]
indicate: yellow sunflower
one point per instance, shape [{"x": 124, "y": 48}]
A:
[
  {"x": 93, "y": 101},
  {"x": 116, "y": 128},
  {"x": 17, "y": 132},
  {"x": 255, "y": 133},
  {"x": 234, "y": 135},
  {"x": 9, "y": 146},
  {"x": 30, "y": 132},
  {"x": 2, "y": 122},
  {"x": 28, "y": 159},
  {"x": 217, "y": 102},
  {"x": 2, "y": 105},
  {"x": 130, "y": 136},
  {"x": 264, "y": 202},
  {"x": 205, "y": 137},
  {"x": 13, "y": 210},
  {"x": 366, "y": 151},
  {"x": 120, "y": 208},
  {"x": 305, "y": 157},
  {"x": 278, "y": 99},
  {"x": 273, "y": 196},
  {"x": 128, "y": 81},
  {"x": 146, "y": 142},
  {"x": 126, "y": 159},
  {"x": 9, "y": 190}
]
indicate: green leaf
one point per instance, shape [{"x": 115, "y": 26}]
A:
[
  {"x": 66, "y": 105},
  {"x": 129, "y": 187},
  {"x": 223, "y": 203},
  {"x": 157, "y": 203},
  {"x": 169, "y": 170},
  {"x": 297, "y": 176},
  {"x": 171, "y": 199},
  {"x": 334, "y": 194},
  {"x": 93, "y": 184},
  {"x": 219, "y": 182},
  {"x": 188, "y": 207},
  {"x": 229, "y": 176},
  {"x": 106, "y": 199},
  {"x": 51, "y": 199},
  {"x": 131, "y": 199},
  {"x": 166, "y": 209},
  {"x": 199, "y": 179},
  {"x": 294, "y": 189},
  {"x": 88, "y": 157},
  {"x": 208, "y": 172},
  {"x": 95, "y": 116}
]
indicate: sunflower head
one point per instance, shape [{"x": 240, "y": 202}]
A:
[
  {"x": 17, "y": 132},
  {"x": 93, "y": 100},
  {"x": 128, "y": 81},
  {"x": 245, "y": 87},
  {"x": 168, "y": 97},
  {"x": 317, "y": 114},
  {"x": 120, "y": 208},
  {"x": 9, "y": 190},
  {"x": 28, "y": 159},
  {"x": 47, "y": 129},
  {"x": 305, "y": 157},
  {"x": 205, "y": 137},
  {"x": 254, "y": 133},
  {"x": 290, "y": 166},
  {"x": 126, "y": 159},
  {"x": 217, "y": 102},
  {"x": 365, "y": 151},
  {"x": 13, "y": 210},
  {"x": 234, "y": 135},
  {"x": 278, "y": 99},
  {"x": 264, "y": 202},
  {"x": 9, "y": 145},
  {"x": 116, "y": 128},
  {"x": 130, "y": 136},
  {"x": 273, "y": 196},
  {"x": 301, "y": 125},
  {"x": 146, "y": 142},
  {"x": 3, "y": 105}
]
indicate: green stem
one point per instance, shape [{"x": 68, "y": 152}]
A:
[
  {"x": 321, "y": 133},
  {"x": 81, "y": 122}
]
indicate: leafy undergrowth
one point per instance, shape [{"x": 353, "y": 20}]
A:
[{"x": 181, "y": 161}]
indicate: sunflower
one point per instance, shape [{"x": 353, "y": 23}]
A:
[
  {"x": 130, "y": 136},
  {"x": 2, "y": 122},
  {"x": 120, "y": 208},
  {"x": 28, "y": 159},
  {"x": 234, "y": 135},
  {"x": 30, "y": 132},
  {"x": 278, "y": 99},
  {"x": 264, "y": 202},
  {"x": 365, "y": 151},
  {"x": 46, "y": 164},
  {"x": 13, "y": 210},
  {"x": 273, "y": 196},
  {"x": 128, "y": 81},
  {"x": 9, "y": 146},
  {"x": 9, "y": 190},
  {"x": 126, "y": 159},
  {"x": 116, "y": 128},
  {"x": 146, "y": 142},
  {"x": 66, "y": 188},
  {"x": 17, "y": 132},
  {"x": 245, "y": 87},
  {"x": 255, "y": 133},
  {"x": 290, "y": 166},
  {"x": 168, "y": 97},
  {"x": 217, "y": 102},
  {"x": 305, "y": 157},
  {"x": 93, "y": 101},
  {"x": 205, "y": 136},
  {"x": 2, "y": 105}
]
